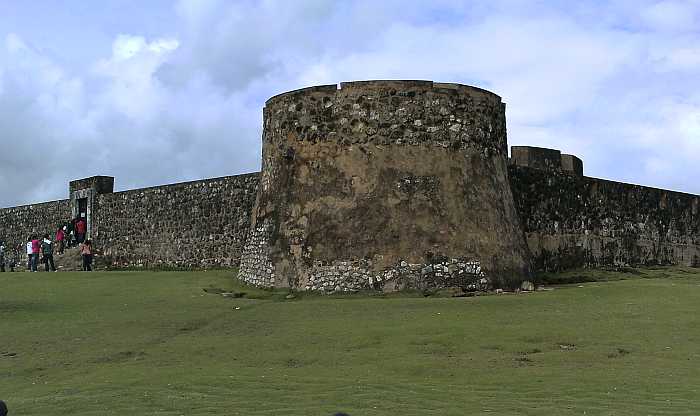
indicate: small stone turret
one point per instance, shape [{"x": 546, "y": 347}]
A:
[
  {"x": 384, "y": 184},
  {"x": 572, "y": 164},
  {"x": 99, "y": 184},
  {"x": 545, "y": 159}
]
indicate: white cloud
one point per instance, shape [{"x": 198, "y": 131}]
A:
[
  {"x": 547, "y": 70},
  {"x": 671, "y": 15},
  {"x": 13, "y": 43},
  {"x": 689, "y": 126},
  {"x": 133, "y": 89}
]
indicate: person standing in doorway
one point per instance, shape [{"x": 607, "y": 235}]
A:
[
  {"x": 80, "y": 229},
  {"x": 36, "y": 249},
  {"x": 60, "y": 240},
  {"x": 47, "y": 251},
  {"x": 86, "y": 253}
]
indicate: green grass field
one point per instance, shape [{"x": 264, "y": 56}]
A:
[{"x": 154, "y": 343}]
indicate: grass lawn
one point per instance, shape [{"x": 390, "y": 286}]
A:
[{"x": 154, "y": 343}]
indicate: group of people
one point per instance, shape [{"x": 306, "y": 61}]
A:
[{"x": 42, "y": 250}]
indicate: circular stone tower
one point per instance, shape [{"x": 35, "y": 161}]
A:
[{"x": 385, "y": 185}]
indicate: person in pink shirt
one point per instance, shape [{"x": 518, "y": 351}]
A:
[
  {"x": 36, "y": 248},
  {"x": 86, "y": 252},
  {"x": 60, "y": 238}
]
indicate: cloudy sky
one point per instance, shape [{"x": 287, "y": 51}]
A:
[{"x": 155, "y": 92}]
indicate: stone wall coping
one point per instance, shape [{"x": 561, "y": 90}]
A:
[
  {"x": 93, "y": 177},
  {"x": 67, "y": 200},
  {"x": 36, "y": 204},
  {"x": 614, "y": 182},
  {"x": 331, "y": 89},
  {"x": 170, "y": 185},
  {"x": 548, "y": 149},
  {"x": 325, "y": 89}
]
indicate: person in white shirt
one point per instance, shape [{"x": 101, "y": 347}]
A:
[{"x": 30, "y": 254}]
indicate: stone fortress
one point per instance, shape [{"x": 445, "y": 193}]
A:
[{"x": 382, "y": 185}]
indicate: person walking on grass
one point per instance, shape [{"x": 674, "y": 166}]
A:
[
  {"x": 3, "y": 408},
  {"x": 47, "y": 251},
  {"x": 29, "y": 253},
  {"x": 36, "y": 249},
  {"x": 86, "y": 253},
  {"x": 12, "y": 257},
  {"x": 2, "y": 257}
]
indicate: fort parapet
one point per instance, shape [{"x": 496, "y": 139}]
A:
[
  {"x": 545, "y": 159},
  {"x": 383, "y": 185}
]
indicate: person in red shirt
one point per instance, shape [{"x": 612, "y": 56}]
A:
[
  {"x": 60, "y": 238},
  {"x": 80, "y": 228}
]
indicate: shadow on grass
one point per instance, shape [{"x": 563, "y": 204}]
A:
[
  {"x": 614, "y": 274},
  {"x": 16, "y": 307}
]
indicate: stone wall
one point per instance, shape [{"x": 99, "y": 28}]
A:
[
  {"x": 389, "y": 184},
  {"x": 196, "y": 224},
  {"x": 572, "y": 221},
  {"x": 18, "y": 223},
  {"x": 193, "y": 224}
]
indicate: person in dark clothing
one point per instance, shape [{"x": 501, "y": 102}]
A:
[
  {"x": 69, "y": 230},
  {"x": 47, "y": 251},
  {"x": 3, "y": 408},
  {"x": 2, "y": 257},
  {"x": 12, "y": 257}
]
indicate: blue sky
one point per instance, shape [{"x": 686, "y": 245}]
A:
[{"x": 157, "y": 92}]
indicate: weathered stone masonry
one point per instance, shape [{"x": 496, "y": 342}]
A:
[
  {"x": 383, "y": 185},
  {"x": 573, "y": 221},
  {"x": 193, "y": 224},
  {"x": 18, "y": 223}
]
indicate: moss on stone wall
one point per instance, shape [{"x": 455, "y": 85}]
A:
[{"x": 572, "y": 221}]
